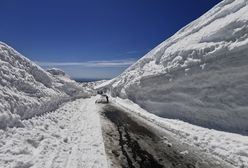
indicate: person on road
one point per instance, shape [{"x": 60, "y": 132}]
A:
[{"x": 107, "y": 98}]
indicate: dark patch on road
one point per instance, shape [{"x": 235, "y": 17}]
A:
[
  {"x": 128, "y": 144},
  {"x": 133, "y": 145}
]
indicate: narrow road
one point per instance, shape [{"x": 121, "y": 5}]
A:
[
  {"x": 132, "y": 144},
  {"x": 71, "y": 137}
]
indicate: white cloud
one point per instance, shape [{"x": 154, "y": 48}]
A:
[{"x": 111, "y": 63}]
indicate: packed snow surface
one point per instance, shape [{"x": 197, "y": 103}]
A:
[
  {"x": 230, "y": 147},
  {"x": 69, "y": 137},
  {"x": 199, "y": 75},
  {"x": 27, "y": 90}
]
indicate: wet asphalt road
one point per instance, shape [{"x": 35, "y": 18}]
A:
[{"x": 132, "y": 144}]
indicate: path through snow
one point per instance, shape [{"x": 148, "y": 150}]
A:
[
  {"x": 132, "y": 142},
  {"x": 71, "y": 137},
  {"x": 68, "y": 137}
]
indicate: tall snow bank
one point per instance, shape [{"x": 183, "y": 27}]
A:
[
  {"x": 199, "y": 75},
  {"x": 27, "y": 90}
]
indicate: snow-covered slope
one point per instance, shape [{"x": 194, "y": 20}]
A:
[
  {"x": 199, "y": 75},
  {"x": 27, "y": 90}
]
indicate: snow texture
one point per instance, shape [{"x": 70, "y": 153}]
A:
[
  {"x": 27, "y": 90},
  {"x": 230, "y": 147},
  {"x": 56, "y": 71},
  {"x": 69, "y": 137},
  {"x": 199, "y": 75},
  {"x": 89, "y": 86}
]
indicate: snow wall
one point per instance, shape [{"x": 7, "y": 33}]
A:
[
  {"x": 199, "y": 75},
  {"x": 27, "y": 90}
]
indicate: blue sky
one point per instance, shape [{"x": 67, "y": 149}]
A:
[{"x": 93, "y": 38}]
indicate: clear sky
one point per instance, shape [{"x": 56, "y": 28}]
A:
[{"x": 93, "y": 38}]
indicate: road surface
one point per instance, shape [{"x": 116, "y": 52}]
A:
[
  {"x": 71, "y": 137},
  {"x": 131, "y": 143}
]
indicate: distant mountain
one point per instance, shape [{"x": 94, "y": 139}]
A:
[
  {"x": 83, "y": 80},
  {"x": 198, "y": 75}
]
